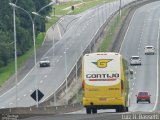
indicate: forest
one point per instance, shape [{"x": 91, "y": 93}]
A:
[{"x": 23, "y": 26}]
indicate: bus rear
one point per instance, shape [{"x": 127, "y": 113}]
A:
[{"x": 103, "y": 82}]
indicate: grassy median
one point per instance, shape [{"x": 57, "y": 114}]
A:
[{"x": 115, "y": 24}]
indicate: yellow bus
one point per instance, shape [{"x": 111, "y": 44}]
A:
[{"x": 105, "y": 82}]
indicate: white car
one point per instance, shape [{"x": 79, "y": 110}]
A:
[
  {"x": 149, "y": 50},
  {"x": 44, "y": 62},
  {"x": 135, "y": 60}
]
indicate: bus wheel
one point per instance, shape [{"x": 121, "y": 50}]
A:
[
  {"x": 126, "y": 109},
  {"x": 120, "y": 109},
  {"x": 88, "y": 110},
  {"x": 94, "y": 110}
]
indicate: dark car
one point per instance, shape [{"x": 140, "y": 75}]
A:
[{"x": 143, "y": 97}]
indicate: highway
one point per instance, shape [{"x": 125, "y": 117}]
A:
[
  {"x": 144, "y": 29},
  {"x": 74, "y": 41}
]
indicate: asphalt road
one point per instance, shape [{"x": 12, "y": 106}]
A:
[
  {"x": 143, "y": 30},
  {"x": 74, "y": 41}
]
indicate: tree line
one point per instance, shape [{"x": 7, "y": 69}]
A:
[{"x": 23, "y": 27}]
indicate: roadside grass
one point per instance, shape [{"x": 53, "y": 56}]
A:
[
  {"x": 115, "y": 24},
  {"x": 77, "y": 97},
  {"x": 8, "y": 71},
  {"x": 80, "y": 6}
]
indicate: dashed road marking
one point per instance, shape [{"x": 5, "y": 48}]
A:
[
  {"x": 10, "y": 103},
  {"x": 41, "y": 81},
  {"x": 45, "y": 76}
]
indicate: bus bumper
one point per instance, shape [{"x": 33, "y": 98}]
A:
[{"x": 120, "y": 101}]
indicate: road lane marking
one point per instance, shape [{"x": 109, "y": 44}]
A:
[
  {"x": 60, "y": 35},
  {"x": 127, "y": 31},
  {"x": 30, "y": 90},
  {"x": 45, "y": 76},
  {"x": 41, "y": 81},
  {"x": 25, "y": 95},
  {"x": 10, "y": 103},
  {"x": 157, "y": 68}
]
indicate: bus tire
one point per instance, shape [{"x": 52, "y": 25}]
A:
[
  {"x": 88, "y": 110},
  {"x": 94, "y": 110},
  {"x": 120, "y": 109},
  {"x": 126, "y": 109}
]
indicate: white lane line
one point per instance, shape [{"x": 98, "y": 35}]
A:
[
  {"x": 18, "y": 99},
  {"x": 45, "y": 76},
  {"x": 60, "y": 35},
  {"x": 127, "y": 31},
  {"x": 25, "y": 95},
  {"x": 132, "y": 88},
  {"x": 41, "y": 81},
  {"x": 135, "y": 72},
  {"x": 30, "y": 90},
  {"x": 157, "y": 69},
  {"x": 133, "y": 83},
  {"x": 134, "y": 78},
  {"x": 10, "y": 103}
]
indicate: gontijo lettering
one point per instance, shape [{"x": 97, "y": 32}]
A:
[
  {"x": 102, "y": 76},
  {"x": 102, "y": 63}
]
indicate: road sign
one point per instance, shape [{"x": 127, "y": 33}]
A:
[{"x": 40, "y": 95}]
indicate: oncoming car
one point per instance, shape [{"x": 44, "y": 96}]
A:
[
  {"x": 44, "y": 62},
  {"x": 149, "y": 50},
  {"x": 135, "y": 60},
  {"x": 143, "y": 97}
]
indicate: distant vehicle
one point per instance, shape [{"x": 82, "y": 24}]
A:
[
  {"x": 143, "y": 97},
  {"x": 105, "y": 82},
  {"x": 44, "y": 62},
  {"x": 135, "y": 60},
  {"x": 131, "y": 71},
  {"x": 149, "y": 50}
]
